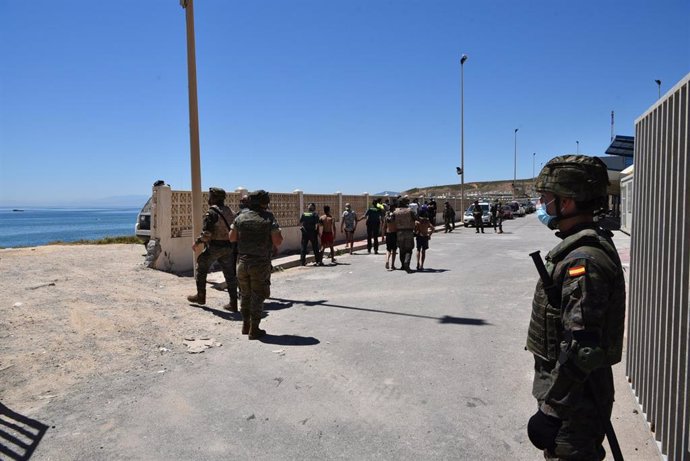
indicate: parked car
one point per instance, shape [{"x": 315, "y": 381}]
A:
[
  {"x": 468, "y": 218},
  {"x": 507, "y": 212},
  {"x": 529, "y": 207},
  {"x": 518, "y": 210},
  {"x": 142, "y": 228}
]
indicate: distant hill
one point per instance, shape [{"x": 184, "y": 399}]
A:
[
  {"x": 524, "y": 188},
  {"x": 388, "y": 192}
]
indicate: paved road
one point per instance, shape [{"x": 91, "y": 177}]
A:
[{"x": 361, "y": 363}]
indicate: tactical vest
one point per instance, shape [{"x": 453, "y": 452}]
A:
[
  {"x": 221, "y": 230},
  {"x": 404, "y": 219},
  {"x": 254, "y": 230},
  {"x": 546, "y": 330}
]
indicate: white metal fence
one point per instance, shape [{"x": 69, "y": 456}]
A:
[{"x": 658, "y": 322}]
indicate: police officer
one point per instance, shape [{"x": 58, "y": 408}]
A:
[
  {"x": 217, "y": 247},
  {"x": 258, "y": 236},
  {"x": 404, "y": 223},
  {"x": 576, "y": 328},
  {"x": 309, "y": 226},
  {"x": 477, "y": 213},
  {"x": 496, "y": 218}
]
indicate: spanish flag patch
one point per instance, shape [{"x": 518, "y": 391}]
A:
[{"x": 576, "y": 271}]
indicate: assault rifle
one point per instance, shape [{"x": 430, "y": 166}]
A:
[{"x": 553, "y": 295}]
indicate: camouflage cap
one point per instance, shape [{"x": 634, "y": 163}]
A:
[
  {"x": 579, "y": 177},
  {"x": 259, "y": 197},
  {"x": 216, "y": 194}
]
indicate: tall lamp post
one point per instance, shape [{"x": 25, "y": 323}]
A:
[
  {"x": 534, "y": 179},
  {"x": 578, "y": 146},
  {"x": 658, "y": 84},
  {"x": 515, "y": 165},
  {"x": 188, "y": 5},
  {"x": 462, "y": 133}
]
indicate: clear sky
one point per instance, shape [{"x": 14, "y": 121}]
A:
[{"x": 323, "y": 96}]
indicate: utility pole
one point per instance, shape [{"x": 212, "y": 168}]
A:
[
  {"x": 515, "y": 165},
  {"x": 194, "y": 150},
  {"x": 462, "y": 133}
]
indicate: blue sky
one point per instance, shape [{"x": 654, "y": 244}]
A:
[{"x": 324, "y": 96}]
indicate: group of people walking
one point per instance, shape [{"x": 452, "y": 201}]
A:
[{"x": 402, "y": 223}]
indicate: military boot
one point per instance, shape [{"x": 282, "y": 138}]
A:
[
  {"x": 199, "y": 298},
  {"x": 232, "y": 305},
  {"x": 254, "y": 331},
  {"x": 246, "y": 325}
]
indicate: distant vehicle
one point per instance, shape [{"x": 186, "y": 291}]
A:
[
  {"x": 468, "y": 218},
  {"x": 142, "y": 228},
  {"x": 518, "y": 209},
  {"x": 507, "y": 212},
  {"x": 529, "y": 207}
]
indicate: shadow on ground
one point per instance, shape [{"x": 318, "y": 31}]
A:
[
  {"x": 19, "y": 435},
  {"x": 289, "y": 340},
  {"x": 445, "y": 319}
]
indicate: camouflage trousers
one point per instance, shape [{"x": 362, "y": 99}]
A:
[
  {"x": 405, "y": 245},
  {"x": 254, "y": 277},
  {"x": 226, "y": 256}
]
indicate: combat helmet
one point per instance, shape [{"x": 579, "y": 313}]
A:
[
  {"x": 259, "y": 198},
  {"x": 216, "y": 195},
  {"x": 579, "y": 177}
]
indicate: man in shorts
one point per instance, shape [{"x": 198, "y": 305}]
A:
[
  {"x": 349, "y": 225},
  {"x": 390, "y": 230},
  {"x": 327, "y": 225},
  {"x": 423, "y": 230}
]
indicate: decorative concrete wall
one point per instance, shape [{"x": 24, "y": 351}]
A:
[{"x": 171, "y": 221}]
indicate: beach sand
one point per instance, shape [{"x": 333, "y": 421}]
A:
[{"x": 76, "y": 316}]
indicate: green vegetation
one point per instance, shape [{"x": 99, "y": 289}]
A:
[{"x": 103, "y": 241}]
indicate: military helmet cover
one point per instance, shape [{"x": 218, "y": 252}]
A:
[
  {"x": 216, "y": 194},
  {"x": 580, "y": 177},
  {"x": 259, "y": 197}
]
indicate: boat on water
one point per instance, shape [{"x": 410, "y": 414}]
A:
[{"x": 16, "y": 210}]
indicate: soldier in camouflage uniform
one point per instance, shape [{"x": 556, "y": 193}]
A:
[
  {"x": 576, "y": 342},
  {"x": 258, "y": 236},
  {"x": 217, "y": 247}
]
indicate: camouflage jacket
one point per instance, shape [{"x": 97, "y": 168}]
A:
[
  {"x": 588, "y": 273},
  {"x": 214, "y": 227}
]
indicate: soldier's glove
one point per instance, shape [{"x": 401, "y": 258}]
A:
[{"x": 542, "y": 430}]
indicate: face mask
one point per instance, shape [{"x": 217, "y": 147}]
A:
[{"x": 545, "y": 218}]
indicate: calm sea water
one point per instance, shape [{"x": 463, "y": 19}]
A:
[{"x": 38, "y": 226}]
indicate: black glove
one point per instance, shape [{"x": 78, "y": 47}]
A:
[{"x": 542, "y": 430}]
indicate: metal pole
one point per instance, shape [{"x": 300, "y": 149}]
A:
[
  {"x": 515, "y": 165},
  {"x": 534, "y": 179},
  {"x": 188, "y": 5},
  {"x": 658, "y": 84},
  {"x": 578, "y": 146},
  {"x": 462, "y": 133}
]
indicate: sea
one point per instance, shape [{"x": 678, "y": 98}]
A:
[{"x": 27, "y": 227}]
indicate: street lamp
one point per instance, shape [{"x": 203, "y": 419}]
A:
[
  {"x": 462, "y": 132},
  {"x": 658, "y": 84},
  {"x": 534, "y": 154},
  {"x": 578, "y": 146},
  {"x": 515, "y": 165},
  {"x": 188, "y": 5}
]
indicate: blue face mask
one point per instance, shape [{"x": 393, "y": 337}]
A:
[{"x": 545, "y": 218}]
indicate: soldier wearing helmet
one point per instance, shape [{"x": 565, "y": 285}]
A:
[
  {"x": 576, "y": 341},
  {"x": 216, "y": 247},
  {"x": 258, "y": 237}
]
